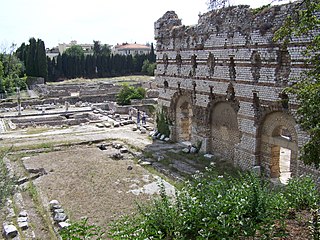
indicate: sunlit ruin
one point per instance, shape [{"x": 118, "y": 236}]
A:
[{"x": 70, "y": 150}]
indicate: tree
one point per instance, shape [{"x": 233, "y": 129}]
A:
[
  {"x": 305, "y": 22},
  {"x": 152, "y": 55},
  {"x": 96, "y": 47},
  {"x": 106, "y": 50},
  {"x": 41, "y": 60},
  {"x": 129, "y": 92},
  {"x": 30, "y": 57},
  {"x": 148, "y": 67},
  {"x": 75, "y": 50},
  {"x": 34, "y": 58},
  {"x": 10, "y": 71}
]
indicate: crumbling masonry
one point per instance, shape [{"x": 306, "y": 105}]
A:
[{"x": 221, "y": 82}]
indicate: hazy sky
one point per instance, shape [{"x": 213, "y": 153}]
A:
[{"x": 109, "y": 21}]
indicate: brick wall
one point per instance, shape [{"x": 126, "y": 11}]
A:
[{"x": 232, "y": 74}]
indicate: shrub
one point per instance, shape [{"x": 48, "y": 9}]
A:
[
  {"x": 82, "y": 230},
  {"x": 129, "y": 92},
  {"x": 302, "y": 193},
  {"x": 216, "y": 207},
  {"x": 162, "y": 123}
]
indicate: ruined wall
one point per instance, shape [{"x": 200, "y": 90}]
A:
[{"x": 232, "y": 74}]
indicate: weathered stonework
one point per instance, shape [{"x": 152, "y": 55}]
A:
[{"x": 221, "y": 82}]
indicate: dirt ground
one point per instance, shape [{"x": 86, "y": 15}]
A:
[{"x": 87, "y": 181}]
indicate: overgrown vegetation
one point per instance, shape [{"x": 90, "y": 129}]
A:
[
  {"x": 260, "y": 9},
  {"x": 82, "y": 230},
  {"x": 127, "y": 93},
  {"x": 6, "y": 182},
  {"x": 11, "y": 69},
  {"x": 162, "y": 123},
  {"x": 219, "y": 207},
  {"x": 305, "y": 22},
  {"x": 32, "y": 190}
]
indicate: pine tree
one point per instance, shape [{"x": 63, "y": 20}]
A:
[
  {"x": 41, "y": 60},
  {"x": 30, "y": 57}
]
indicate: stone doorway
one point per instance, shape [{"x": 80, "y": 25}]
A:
[
  {"x": 279, "y": 148},
  {"x": 280, "y": 164}
]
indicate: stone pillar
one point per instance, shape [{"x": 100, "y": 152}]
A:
[{"x": 19, "y": 101}]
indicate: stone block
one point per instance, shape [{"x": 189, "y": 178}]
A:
[
  {"x": 62, "y": 225},
  {"x": 23, "y": 225},
  {"x": 208, "y": 155},
  {"x": 186, "y": 150},
  {"x": 60, "y": 217},
  {"x": 23, "y": 213},
  {"x": 22, "y": 219},
  {"x": 143, "y": 131},
  {"x": 53, "y": 203},
  {"x": 123, "y": 150},
  {"x": 9, "y": 230}
]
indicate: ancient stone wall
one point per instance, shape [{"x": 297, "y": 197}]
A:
[{"x": 221, "y": 81}]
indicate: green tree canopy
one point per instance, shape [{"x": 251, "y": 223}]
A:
[
  {"x": 75, "y": 50},
  {"x": 129, "y": 92},
  {"x": 10, "y": 71}
]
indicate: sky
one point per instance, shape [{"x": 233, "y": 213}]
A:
[{"x": 107, "y": 21}]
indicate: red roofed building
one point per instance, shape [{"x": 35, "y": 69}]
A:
[{"x": 131, "y": 49}]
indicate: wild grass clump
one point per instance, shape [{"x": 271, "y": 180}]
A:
[
  {"x": 218, "y": 207},
  {"x": 7, "y": 183}
]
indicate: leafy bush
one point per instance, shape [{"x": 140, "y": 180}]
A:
[
  {"x": 148, "y": 67},
  {"x": 214, "y": 207},
  {"x": 302, "y": 193},
  {"x": 129, "y": 92},
  {"x": 162, "y": 123},
  {"x": 82, "y": 230}
]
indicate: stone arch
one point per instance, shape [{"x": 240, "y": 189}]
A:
[
  {"x": 224, "y": 128},
  {"x": 182, "y": 113},
  {"x": 278, "y": 145}
]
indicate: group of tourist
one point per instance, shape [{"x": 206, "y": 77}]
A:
[{"x": 141, "y": 116}]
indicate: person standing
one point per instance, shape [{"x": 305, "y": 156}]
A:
[
  {"x": 138, "y": 117},
  {"x": 143, "y": 119},
  {"x": 130, "y": 113}
]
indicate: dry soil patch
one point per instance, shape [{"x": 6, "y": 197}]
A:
[{"x": 87, "y": 182}]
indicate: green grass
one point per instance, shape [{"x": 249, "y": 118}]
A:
[
  {"x": 32, "y": 190},
  {"x": 36, "y": 130}
]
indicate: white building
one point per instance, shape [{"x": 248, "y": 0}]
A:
[{"x": 131, "y": 49}]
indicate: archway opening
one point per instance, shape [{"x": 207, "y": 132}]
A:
[
  {"x": 284, "y": 164},
  {"x": 281, "y": 155},
  {"x": 280, "y": 164}
]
